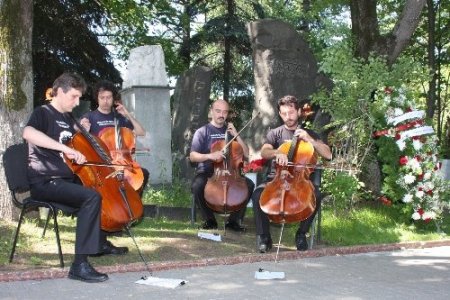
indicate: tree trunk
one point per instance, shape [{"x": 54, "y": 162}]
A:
[
  {"x": 366, "y": 31},
  {"x": 431, "y": 95},
  {"x": 227, "y": 59},
  {"x": 368, "y": 39},
  {"x": 16, "y": 84}
]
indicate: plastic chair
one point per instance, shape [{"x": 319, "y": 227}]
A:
[{"x": 15, "y": 163}]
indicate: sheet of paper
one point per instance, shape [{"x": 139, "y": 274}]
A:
[
  {"x": 264, "y": 275},
  {"x": 161, "y": 282},
  {"x": 210, "y": 236}
]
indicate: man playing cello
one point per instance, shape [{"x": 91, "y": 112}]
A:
[
  {"x": 200, "y": 153},
  {"x": 106, "y": 96},
  {"x": 48, "y": 129},
  {"x": 289, "y": 110}
]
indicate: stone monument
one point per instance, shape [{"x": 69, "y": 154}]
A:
[
  {"x": 146, "y": 94},
  {"x": 190, "y": 111},
  {"x": 283, "y": 65}
]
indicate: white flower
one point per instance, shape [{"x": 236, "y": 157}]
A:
[
  {"x": 427, "y": 176},
  {"x": 428, "y": 215},
  {"x": 415, "y": 216},
  {"x": 428, "y": 186},
  {"x": 417, "y": 144},
  {"x": 401, "y": 144},
  {"x": 413, "y": 163},
  {"x": 408, "y": 198},
  {"x": 409, "y": 178},
  {"x": 419, "y": 194},
  {"x": 398, "y": 112}
]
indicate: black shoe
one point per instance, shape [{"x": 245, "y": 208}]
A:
[
  {"x": 109, "y": 248},
  {"x": 85, "y": 272},
  {"x": 210, "y": 224},
  {"x": 233, "y": 225},
  {"x": 263, "y": 243},
  {"x": 300, "y": 241}
]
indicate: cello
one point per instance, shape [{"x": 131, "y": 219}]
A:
[
  {"x": 121, "y": 204},
  {"x": 290, "y": 197},
  {"x": 120, "y": 142},
  {"x": 226, "y": 191}
]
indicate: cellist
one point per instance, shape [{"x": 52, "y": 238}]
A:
[
  {"x": 107, "y": 96},
  {"x": 50, "y": 126},
  {"x": 200, "y": 153},
  {"x": 290, "y": 111}
]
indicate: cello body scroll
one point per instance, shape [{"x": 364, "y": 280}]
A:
[
  {"x": 290, "y": 197},
  {"x": 121, "y": 204},
  {"x": 226, "y": 191},
  {"x": 120, "y": 152}
]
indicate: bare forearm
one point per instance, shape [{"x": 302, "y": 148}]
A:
[{"x": 38, "y": 138}]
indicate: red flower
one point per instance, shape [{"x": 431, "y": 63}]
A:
[
  {"x": 418, "y": 158},
  {"x": 430, "y": 192},
  {"x": 388, "y": 90},
  {"x": 420, "y": 211},
  {"x": 409, "y": 109},
  {"x": 420, "y": 177},
  {"x": 397, "y": 136},
  {"x": 403, "y": 160},
  {"x": 385, "y": 201},
  {"x": 254, "y": 166}
]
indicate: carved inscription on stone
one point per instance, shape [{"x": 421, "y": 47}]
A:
[{"x": 289, "y": 68}]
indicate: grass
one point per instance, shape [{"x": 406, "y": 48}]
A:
[{"x": 163, "y": 239}]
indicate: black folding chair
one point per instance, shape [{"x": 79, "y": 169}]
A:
[
  {"x": 15, "y": 160},
  {"x": 315, "y": 230}
]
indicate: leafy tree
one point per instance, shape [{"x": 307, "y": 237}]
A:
[{"x": 65, "y": 39}]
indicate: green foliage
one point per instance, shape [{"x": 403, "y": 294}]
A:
[
  {"x": 65, "y": 39},
  {"x": 342, "y": 187},
  {"x": 175, "y": 195},
  {"x": 376, "y": 224}
]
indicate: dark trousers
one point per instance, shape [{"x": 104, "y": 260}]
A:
[
  {"x": 144, "y": 183},
  {"x": 70, "y": 193},
  {"x": 198, "y": 188},
  {"x": 262, "y": 221}
]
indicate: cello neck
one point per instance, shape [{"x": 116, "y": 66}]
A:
[
  {"x": 293, "y": 147},
  {"x": 117, "y": 136},
  {"x": 93, "y": 142}
]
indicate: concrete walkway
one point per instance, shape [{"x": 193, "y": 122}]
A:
[{"x": 400, "y": 271}]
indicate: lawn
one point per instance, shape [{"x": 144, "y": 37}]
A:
[{"x": 167, "y": 240}]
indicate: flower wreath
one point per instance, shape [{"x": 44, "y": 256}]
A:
[
  {"x": 415, "y": 173},
  {"x": 254, "y": 166}
]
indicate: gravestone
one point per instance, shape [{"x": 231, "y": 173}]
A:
[
  {"x": 146, "y": 94},
  {"x": 190, "y": 111},
  {"x": 283, "y": 64}
]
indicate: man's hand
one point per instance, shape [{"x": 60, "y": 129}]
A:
[
  {"x": 281, "y": 159},
  {"x": 75, "y": 155},
  {"x": 86, "y": 124}
]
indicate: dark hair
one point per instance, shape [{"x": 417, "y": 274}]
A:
[
  {"x": 66, "y": 81},
  {"x": 106, "y": 85},
  {"x": 286, "y": 100}
]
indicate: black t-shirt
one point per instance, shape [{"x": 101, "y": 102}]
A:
[
  {"x": 43, "y": 163},
  {"x": 100, "y": 120},
  {"x": 277, "y": 136},
  {"x": 203, "y": 138}
]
